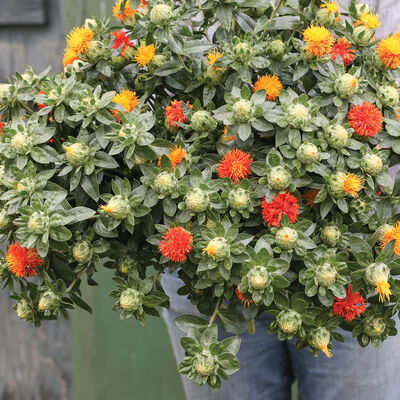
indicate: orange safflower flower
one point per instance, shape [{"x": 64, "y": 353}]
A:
[
  {"x": 21, "y": 261},
  {"x": 271, "y": 84},
  {"x": 366, "y": 119},
  {"x": 177, "y": 244},
  {"x": 235, "y": 165}
]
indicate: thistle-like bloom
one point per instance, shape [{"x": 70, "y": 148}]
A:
[
  {"x": 392, "y": 233},
  {"x": 177, "y": 244},
  {"x": 128, "y": 11},
  {"x": 309, "y": 196},
  {"x": 235, "y": 165},
  {"x": 1, "y": 127},
  {"x": 225, "y": 135},
  {"x": 145, "y": 55},
  {"x": 127, "y": 99},
  {"x": 319, "y": 41},
  {"x": 366, "y": 119},
  {"x": 271, "y": 84},
  {"x": 121, "y": 38},
  {"x": 176, "y": 156},
  {"x": 343, "y": 48},
  {"x": 69, "y": 56},
  {"x": 352, "y": 306},
  {"x": 79, "y": 38},
  {"x": 241, "y": 297},
  {"x": 213, "y": 56},
  {"x": 174, "y": 113},
  {"x": 330, "y": 6},
  {"x": 21, "y": 261},
  {"x": 352, "y": 183},
  {"x": 282, "y": 204},
  {"x": 389, "y": 51},
  {"x": 369, "y": 20}
]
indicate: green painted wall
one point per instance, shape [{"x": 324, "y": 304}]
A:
[{"x": 114, "y": 359}]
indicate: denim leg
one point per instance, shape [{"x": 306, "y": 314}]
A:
[
  {"x": 354, "y": 373},
  {"x": 265, "y": 372}
]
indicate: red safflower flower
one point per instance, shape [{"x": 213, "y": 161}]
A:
[
  {"x": 121, "y": 38},
  {"x": 235, "y": 165},
  {"x": 343, "y": 48},
  {"x": 41, "y": 105},
  {"x": 176, "y": 244},
  {"x": 309, "y": 196},
  {"x": 174, "y": 113},
  {"x": 241, "y": 297},
  {"x": 352, "y": 306},
  {"x": 1, "y": 128},
  {"x": 282, "y": 204},
  {"x": 21, "y": 261},
  {"x": 366, "y": 119}
]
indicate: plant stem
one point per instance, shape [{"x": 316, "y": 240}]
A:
[
  {"x": 26, "y": 107},
  {"x": 157, "y": 275},
  {"x": 214, "y": 314},
  {"x": 183, "y": 63},
  {"x": 69, "y": 288},
  {"x": 274, "y": 11}
]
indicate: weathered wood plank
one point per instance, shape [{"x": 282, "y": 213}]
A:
[
  {"x": 23, "y": 12},
  {"x": 35, "y": 363}
]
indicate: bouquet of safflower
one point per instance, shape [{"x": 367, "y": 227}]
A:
[{"x": 254, "y": 160}]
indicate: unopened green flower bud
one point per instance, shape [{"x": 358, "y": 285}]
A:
[
  {"x": 203, "y": 121},
  {"x": 25, "y": 185},
  {"x": 376, "y": 273},
  {"x": 319, "y": 338},
  {"x": 161, "y": 14},
  {"x": 130, "y": 299},
  {"x": 82, "y": 252},
  {"x": 159, "y": 60},
  {"x": 77, "y": 154},
  {"x": 326, "y": 274},
  {"x": 243, "y": 110},
  {"x": 289, "y": 321},
  {"x": 24, "y": 310},
  {"x": 95, "y": 51},
  {"x": 165, "y": 183},
  {"x": 21, "y": 143},
  {"x": 5, "y": 93},
  {"x": 118, "y": 207},
  {"x": 38, "y": 223},
  {"x": 388, "y": 95},
  {"x": 331, "y": 235},
  {"x": 360, "y": 206},
  {"x": 362, "y": 35},
  {"x": 238, "y": 199},
  {"x": 337, "y": 136},
  {"x": 307, "y": 153},
  {"x": 381, "y": 231},
  {"x": 205, "y": 364},
  {"x": 372, "y": 164},
  {"x": 126, "y": 264},
  {"x": 326, "y": 17},
  {"x": 214, "y": 76},
  {"x": 258, "y": 277},
  {"x": 279, "y": 178},
  {"x": 286, "y": 238},
  {"x": 298, "y": 116},
  {"x": 129, "y": 131},
  {"x": 93, "y": 24},
  {"x": 197, "y": 200},
  {"x": 218, "y": 249},
  {"x": 374, "y": 326},
  {"x": 5, "y": 221},
  {"x": 276, "y": 49},
  {"x": 346, "y": 86},
  {"x": 242, "y": 51},
  {"x": 335, "y": 185},
  {"x": 28, "y": 77},
  {"x": 378, "y": 63},
  {"x": 49, "y": 301}
]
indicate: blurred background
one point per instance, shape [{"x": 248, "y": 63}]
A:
[{"x": 90, "y": 357}]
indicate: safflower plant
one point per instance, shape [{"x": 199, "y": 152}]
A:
[{"x": 252, "y": 160}]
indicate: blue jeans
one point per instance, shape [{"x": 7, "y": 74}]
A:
[{"x": 268, "y": 366}]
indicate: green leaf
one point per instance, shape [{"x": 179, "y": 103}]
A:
[
  {"x": 387, "y": 253},
  {"x": 104, "y": 160},
  {"x": 224, "y": 15},
  {"x": 279, "y": 281},
  {"x": 358, "y": 245},
  {"x": 60, "y": 233},
  {"x": 231, "y": 322},
  {"x": 210, "y": 335},
  {"x": 168, "y": 68},
  {"x": 187, "y": 322},
  {"x": 91, "y": 186}
]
